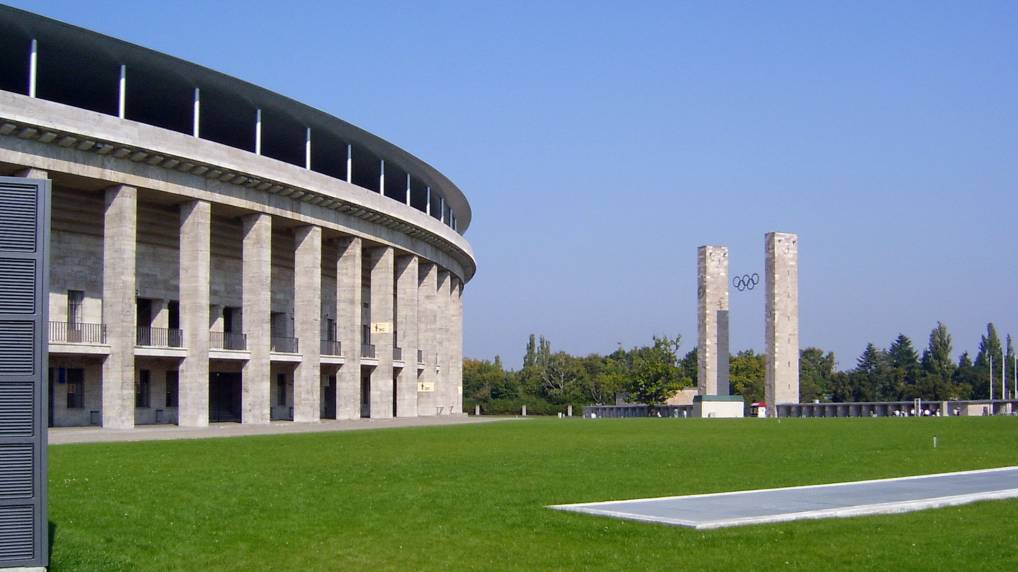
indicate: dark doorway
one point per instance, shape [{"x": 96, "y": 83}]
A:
[
  {"x": 224, "y": 397},
  {"x": 330, "y": 398},
  {"x": 144, "y": 316},
  {"x": 394, "y": 394},
  {"x": 365, "y": 395},
  {"x": 173, "y": 308}
]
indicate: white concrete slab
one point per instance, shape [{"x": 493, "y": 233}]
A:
[{"x": 836, "y": 500}]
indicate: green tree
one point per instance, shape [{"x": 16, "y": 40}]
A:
[
  {"x": 605, "y": 378},
  {"x": 690, "y": 368},
  {"x": 870, "y": 369},
  {"x": 815, "y": 371},
  {"x": 531, "y": 378},
  {"x": 990, "y": 357},
  {"x": 483, "y": 380},
  {"x": 963, "y": 378},
  {"x": 654, "y": 375},
  {"x": 903, "y": 379},
  {"x": 842, "y": 388},
  {"x": 937, "y": 374},
  {"x": 562, "y": 378},
  {"x": 746, "y": 373}
]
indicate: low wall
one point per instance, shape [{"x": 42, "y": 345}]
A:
[{"x": 899, "y": 408}]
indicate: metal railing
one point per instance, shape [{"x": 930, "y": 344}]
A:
[
  {"x": 159, "y": 337},
  {"x": 368, "y": 351},
  {"x": 79, "y": 333},
  {"x": 420, "y": 356},
  {"x": 331, "y": 348},
  {"x": 285, "y": 345},
  {"x": 227, "y": 341},
  {"x": 397, "y": 354}
]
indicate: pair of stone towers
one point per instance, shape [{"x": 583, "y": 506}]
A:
[{"x": 781, "y": 338}]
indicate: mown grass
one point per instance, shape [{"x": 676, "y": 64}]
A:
[{"x": 473, "y": 497}]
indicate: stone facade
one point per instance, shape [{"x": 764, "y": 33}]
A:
[
  {"x": 782, "y": 318},
  {"x": 172, "y": 294},
  {"x": 232, "y": 278},
  {"x": 712, "y": 320}
]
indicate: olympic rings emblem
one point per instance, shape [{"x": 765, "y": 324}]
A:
[{"x": 746, "y": 282}]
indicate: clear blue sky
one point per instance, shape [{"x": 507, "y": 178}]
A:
[{"x": 601, "y": 143}]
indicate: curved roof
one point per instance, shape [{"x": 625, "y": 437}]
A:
[{"x": 36, "y": 26}]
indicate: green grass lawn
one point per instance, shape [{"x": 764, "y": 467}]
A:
[{"x": 473, "y": 497}]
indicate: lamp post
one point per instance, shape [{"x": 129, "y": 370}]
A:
[{"x": 991, "y": 377}]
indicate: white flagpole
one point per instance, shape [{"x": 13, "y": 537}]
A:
[{"x": 991, "y": 377}]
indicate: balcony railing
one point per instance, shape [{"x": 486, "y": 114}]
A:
[
  {"x": 331, "y": 348},
  {"x": 368, "y": 351},
  {"x": 79, "y": 333},
  {"x": 397, "y": 354},
  {"x": 159, "y": 337},
  {"x": 285, "y": 345},
  {"x": 227, "y": 341},
  {"x": 420, "y": 356}
]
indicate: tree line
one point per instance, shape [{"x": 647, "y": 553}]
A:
[{"x": 550, "y": 380}]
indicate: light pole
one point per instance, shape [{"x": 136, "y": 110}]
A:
[{"x": 991, "y": 377}]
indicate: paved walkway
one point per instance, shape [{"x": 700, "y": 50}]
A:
[
  {"x": 65, "y": 435},
  {"x": 837, "y": 500}
]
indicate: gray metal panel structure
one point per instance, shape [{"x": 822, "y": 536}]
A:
[{"x": 24, "y": 262}]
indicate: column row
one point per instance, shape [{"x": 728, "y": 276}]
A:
[{"x": 397, "y": 317}]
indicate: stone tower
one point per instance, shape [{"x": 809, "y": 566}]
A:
[
  {"x": 782, "y": 318},
  {"x": 712, "y": 320}
]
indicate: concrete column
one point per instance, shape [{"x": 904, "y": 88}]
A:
[
  {"x": 307, "y": 317},
  {"x": 195, "y": 245},
  {"x": 782, "y": 318},
  {"x": 307, "y": 149},
  {"x": 256, "y": 400},
  {"x": 427, "y": 291},
  {"x": 197, "y": 112},
  {"x": 120, "y": 227},
  {"x": 406, "y": 330},
  {"x": 456, "y": 345},
  {"x": 348, "y": 318},
  {"x": 258, "y": 132},
  {"x": 443, "y": 348},
  {"x": 122, "y": 94},
  {"x": 712, "y": 320},
  {"x": 349, "y": 163},
  {"x": 382, "y": 269},
  {"x": 33, "y": 67}
]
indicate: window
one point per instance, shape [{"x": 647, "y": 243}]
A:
[
  {"x": 172, "y": 386},
  {"x": 227, "y": 319},
  {"x": 75, "y": 300},
  {"x": 281, "y": 390},
  {"x": 330, "y": 330},
  {"x": 277, "y": 325},
  {"x": 75, "y": 388},
  {"x": 141, "y": 389}
]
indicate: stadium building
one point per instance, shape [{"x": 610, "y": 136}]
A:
[{"x": 221, "y": 252}]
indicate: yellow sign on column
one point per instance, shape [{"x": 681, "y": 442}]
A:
[
  {"x": 425, "y": 387},
  {"x": 381, "y": 327}
]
